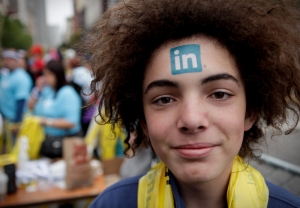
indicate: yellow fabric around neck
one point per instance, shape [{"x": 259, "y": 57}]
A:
[{"x": 247, "y": 187}]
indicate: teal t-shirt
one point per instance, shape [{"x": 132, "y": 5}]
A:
[
  {"x": 14, "y": 86},
  {"x": 65, "y": 104}
]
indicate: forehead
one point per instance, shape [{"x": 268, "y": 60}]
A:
[
  {"x": 9, "y": 59},
  {"x": 190, "y": 57},
  {"x": 48, "y": 71}
]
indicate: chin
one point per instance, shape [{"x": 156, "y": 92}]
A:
[
  {"x": 193, "y": 179},
  {"x": 194, "y": 174}
]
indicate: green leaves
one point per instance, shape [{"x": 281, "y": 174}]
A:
[{"x": 14, "y": 34}]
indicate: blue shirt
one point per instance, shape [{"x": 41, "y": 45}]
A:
[
  {"x": 13, "y": 86},
  {"x": 65, "y": 104},
  {"x": 124, "y": 194}
]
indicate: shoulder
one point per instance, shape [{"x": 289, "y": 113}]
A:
[
  {"x": 20, "y": 73},
  {"x": 279, "y": 197},
  {"x": 121, "y": 194},
  {"x": 67, "y": 91}
]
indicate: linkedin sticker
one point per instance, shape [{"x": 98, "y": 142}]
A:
[{"x": 185, "y": 59}]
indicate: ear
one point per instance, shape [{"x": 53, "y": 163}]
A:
[
  {"x": 249, "y": 121},
  {"x": 144, "y": 127}
]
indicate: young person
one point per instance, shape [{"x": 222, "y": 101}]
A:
[
  {"x": 201, "y": 80},
  {"x": 58, "y": 106}
]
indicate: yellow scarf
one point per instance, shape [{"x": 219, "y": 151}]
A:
[{"x": 247, "y": 187}]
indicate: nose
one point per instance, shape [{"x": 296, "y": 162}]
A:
[{"x": 193, "y": 117}]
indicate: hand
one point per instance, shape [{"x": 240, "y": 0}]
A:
[
  {"x": 40, "y": 83},
  {"x": 43, "y": 121},
  {"x": 46, "y": 121}
]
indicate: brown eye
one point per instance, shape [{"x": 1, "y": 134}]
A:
[
  {"x": 220, "y": 95},
  {"x": 165, "y": 100}
]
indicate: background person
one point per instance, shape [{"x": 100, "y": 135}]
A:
[
  {"x": 81, "y": 80},
  {"x": 202, "y": 79},
  {"x": 35, "y": 61},
  {"x": 57, "y": 104},
  {"x": 15, "y": 89}
]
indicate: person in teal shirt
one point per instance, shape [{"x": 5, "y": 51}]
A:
[
  {"x": 57, "y": 104},
  {"x": 14, "y": 88},
  {"x": 63, "y": 104}
]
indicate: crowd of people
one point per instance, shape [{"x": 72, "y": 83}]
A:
[{"x": 46, "y": 85}]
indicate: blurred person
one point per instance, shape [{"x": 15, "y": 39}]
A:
[
  {"x": 23, "y": 63},
  {"x": 58, "y": 106},
  {"x": 53, "y": 54},
  {"x": 81, "y": 80},
  {"x": 68, "y": 56},
  {"x": 82, "y": 77},
  {"x": 15, "y": 88},
  {"x": 36, "y": 62},
  {"x": 202, "y": 80}
]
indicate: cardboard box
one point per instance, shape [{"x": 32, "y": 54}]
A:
[
  {"x": 111, "y": 168},
  {"x": 78, "y": 169}
]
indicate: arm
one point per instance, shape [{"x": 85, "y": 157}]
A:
[
  {"x": 59, "y": 123},
  {"x": 71, "y": 113},
  {"x": 35, "y": 93},
  {"x": 31, "y": 103},
  {"x": 19, "y": 110}
]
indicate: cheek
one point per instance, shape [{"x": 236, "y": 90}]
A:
[
  {"x": 52, "y": 80},
  {"x": 158, "y": 126},
  {"x": 232, "y": 123},
  {"x": 47, "y": 80}
]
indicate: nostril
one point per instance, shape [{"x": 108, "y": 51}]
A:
[
  {"x": 184, "y": 129},
  {"x": 200, "y": 127}
]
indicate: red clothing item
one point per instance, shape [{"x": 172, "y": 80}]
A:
[{"x": 38, "y": 65}]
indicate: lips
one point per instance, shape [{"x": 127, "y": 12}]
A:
[{"x": 195, "y": 151}]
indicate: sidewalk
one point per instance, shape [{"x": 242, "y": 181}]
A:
[
  {"x": 279, "y": 176},
  {"x": 286, "y": 149}
]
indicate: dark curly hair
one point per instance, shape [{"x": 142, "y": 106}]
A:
[{"x": 262, "y": 36}]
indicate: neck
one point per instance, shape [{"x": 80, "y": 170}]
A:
[{"x": 210, "y": 194}]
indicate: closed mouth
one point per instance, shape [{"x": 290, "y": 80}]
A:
[
  {"x": 195, "y": 151},
  {"x": 195, "y": 146}
]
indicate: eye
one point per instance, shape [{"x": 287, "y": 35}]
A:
[
  {"x": 220, "y": 95},
  {"x": 163, "y": 100}
]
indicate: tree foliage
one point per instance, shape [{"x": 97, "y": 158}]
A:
[{"x": 14, "y": 34}]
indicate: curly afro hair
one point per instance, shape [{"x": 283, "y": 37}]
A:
[{"x": 262, "y": 36}]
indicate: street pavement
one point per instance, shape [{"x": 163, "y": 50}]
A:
[{"x": 286, "y": 148}]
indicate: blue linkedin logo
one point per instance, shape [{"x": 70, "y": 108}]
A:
[{"x": 185, "y": 59}]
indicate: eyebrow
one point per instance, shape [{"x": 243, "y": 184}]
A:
[
  {"x": 219, "y": 77},
  {"x": 161, "y": 83},
  {"x": 168, "y": 83}
]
